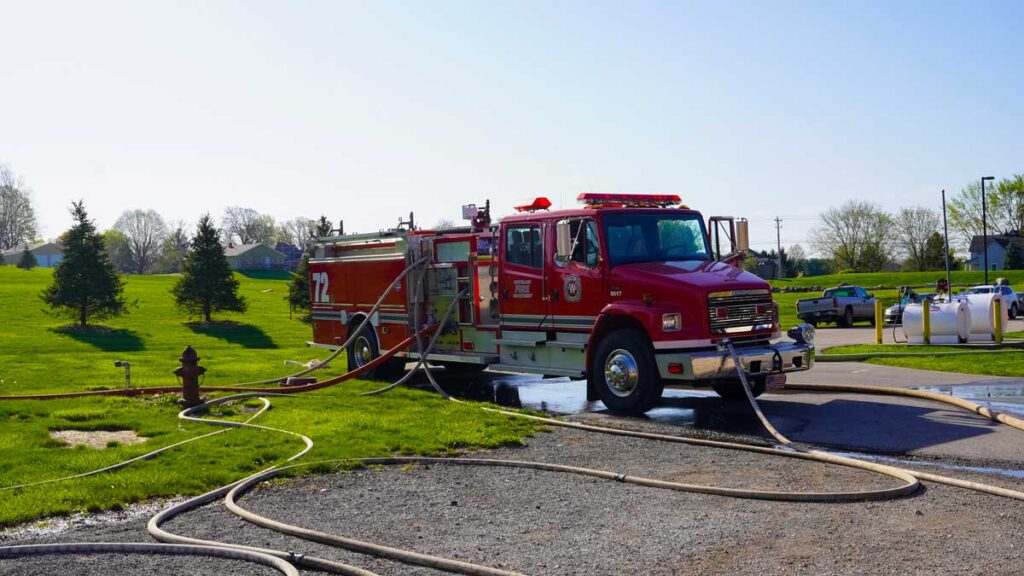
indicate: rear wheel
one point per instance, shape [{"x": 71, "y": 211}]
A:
[
  {"x": 847, "y": 320},
  {"x": 732, "y": 389},
  {"x": 364, "y": 350},
  {"x": 624, "y": 373}
]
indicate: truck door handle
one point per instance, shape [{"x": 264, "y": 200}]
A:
[
  {"x": 504, "y": 294},
  {"x": 554, "y": 295}
]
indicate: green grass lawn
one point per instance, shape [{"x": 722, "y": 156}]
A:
[
  {"x": 897, "y": 279},
  {"x": 35, "y": 356},
  {"x": 1008, "y": 360}
]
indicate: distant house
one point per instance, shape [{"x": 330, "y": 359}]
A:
[
  {"x": 254, "y": 257},
  {"x": 998, "y": 245},
  {"x": 292, "y": 255},
  {"x": 48, "y": 254}
]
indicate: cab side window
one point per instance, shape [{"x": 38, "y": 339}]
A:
[
  {"x": 585, "y": 243},
  {"x": 523, "y": 246}
]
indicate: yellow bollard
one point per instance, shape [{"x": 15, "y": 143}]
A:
[
  {"x": 878, "y": 321},
  {"x": 926, "y": 320},
  {"x": 997, "y": 320}
]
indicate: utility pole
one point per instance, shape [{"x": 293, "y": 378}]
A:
[
  {"x": 945, "y": 236},
  {"x": 984, "y": 225},
  {"x": 778, "y": 248}
]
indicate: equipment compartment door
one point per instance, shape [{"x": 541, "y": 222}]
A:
[{"x": 524, "y": 304}]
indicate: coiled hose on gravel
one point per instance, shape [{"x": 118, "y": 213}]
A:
[{"x": 233, "y": 492}]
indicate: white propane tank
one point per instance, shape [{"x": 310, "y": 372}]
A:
[
  {"x": 981, "y": 305},
  {"x": 950, "y": 322}
]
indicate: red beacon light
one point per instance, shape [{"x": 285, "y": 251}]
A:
[
  {"x": 539, "y": 203},
  {"x": 593, "y": 200}
]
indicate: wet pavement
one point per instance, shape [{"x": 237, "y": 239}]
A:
[{"x": 879, "y": 425}]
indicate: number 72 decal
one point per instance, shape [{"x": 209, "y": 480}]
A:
[{"x": 320, "y": 287}]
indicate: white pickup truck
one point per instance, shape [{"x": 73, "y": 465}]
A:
[{"x": 843, "y": 305}]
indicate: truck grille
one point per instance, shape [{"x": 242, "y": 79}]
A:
[{"x": 739, "y": 311}]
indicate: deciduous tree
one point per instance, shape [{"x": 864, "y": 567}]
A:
[
  {"x": 174, "y": 250},
  {"x": 914, "y": 226},
  {"x": 207, "y": 283},
  {"x": 145, "y": 231},
  {"x": 17, "y": 216},
  {"x": 119, "y": 251},
  {"x": 85, "y": 284},
  {"x": 856, "y": 235},
  {"x": 247, "y": 226}
]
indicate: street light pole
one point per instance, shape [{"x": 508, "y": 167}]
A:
[{"x": 984, "y": 225}]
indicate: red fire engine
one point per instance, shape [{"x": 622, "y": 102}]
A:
[{"x": 631, "y": 292}]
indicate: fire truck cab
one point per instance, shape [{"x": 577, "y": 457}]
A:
[{"x": 631, "y": 292}]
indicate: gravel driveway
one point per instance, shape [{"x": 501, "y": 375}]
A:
[{"x": 549, "y": 523}]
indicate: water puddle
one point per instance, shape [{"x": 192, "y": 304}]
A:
[
  {"x": 559, "y": 396},
  {"x": 1006, "y": 472},
  {"x": 999, "y": 396}
]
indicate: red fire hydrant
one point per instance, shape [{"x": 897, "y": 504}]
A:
[{"x": 189, "y": 372}]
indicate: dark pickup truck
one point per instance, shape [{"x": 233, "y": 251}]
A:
[{"x": 843, "y": 305}]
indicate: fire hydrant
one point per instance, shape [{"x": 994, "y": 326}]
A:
[{"x": 189, "y": 372}]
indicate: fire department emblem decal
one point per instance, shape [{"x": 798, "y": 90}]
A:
[{"x": 573, "y": 289}]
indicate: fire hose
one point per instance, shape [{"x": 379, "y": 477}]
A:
[{"x": 233, "y": 492}]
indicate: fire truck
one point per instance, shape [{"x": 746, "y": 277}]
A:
[{"x": 630, "y": 292}]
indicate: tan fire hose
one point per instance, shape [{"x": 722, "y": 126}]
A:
[{"x": 233, "y": 492}]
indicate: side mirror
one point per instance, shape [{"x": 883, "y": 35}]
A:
[
  {"x": 563, "y": 241},
  {"x": 742, "y": 236}
]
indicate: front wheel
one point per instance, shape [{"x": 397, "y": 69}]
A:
[
  {"x": 624, "y": 372},
  {"x": 1013, "y": 311}
]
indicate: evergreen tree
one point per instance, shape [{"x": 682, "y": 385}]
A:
[
  {"x": 207, "y": 283},
  {"x": 298, "y": 288},
  {"x": 28, "y": 260},
  {"x": 1014, "y": 257},
  {"x": 323, "y": 227},
  {"x": 85, "y": 284}
]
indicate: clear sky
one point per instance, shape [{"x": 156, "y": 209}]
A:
[{"x": 365, "y": 111}]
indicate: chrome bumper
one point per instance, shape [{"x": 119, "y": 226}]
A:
[{"x": 777, "y": 358}]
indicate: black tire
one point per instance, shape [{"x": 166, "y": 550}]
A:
[
  {"x": 627, "y": 356},
  {"x": 364, "y": 349},
  {"x": 732, "y": 389},
  {"x": 463, "y": 368},
  {"x": 847, "y": 320},
  {"x": 1013, "y": 311}
]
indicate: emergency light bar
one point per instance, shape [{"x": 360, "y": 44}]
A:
[
  {"x": 592, "y": 200},
  {"x": 539, "y": 203}
]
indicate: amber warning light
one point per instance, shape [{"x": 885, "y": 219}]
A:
[{"x": 594, "y": 200}]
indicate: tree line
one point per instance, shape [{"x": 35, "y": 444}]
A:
[
  {"x": 860, "y": 236},
  {"x": 86, "y": 285},
  {"x": 142, "y": 241}
]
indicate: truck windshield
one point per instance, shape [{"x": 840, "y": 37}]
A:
[{"x": 655, "y": 237}]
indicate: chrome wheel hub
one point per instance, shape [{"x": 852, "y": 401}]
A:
[
  {"x": 621, "y": 373},
  {"x": 363, "y": 351}
]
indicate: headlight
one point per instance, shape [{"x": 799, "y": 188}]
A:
[
  {"x": 671, "y": 322},
  {"x": 803, "y": 334}
]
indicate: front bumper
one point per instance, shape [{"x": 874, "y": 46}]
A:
[{"x": 778, "y": 358}]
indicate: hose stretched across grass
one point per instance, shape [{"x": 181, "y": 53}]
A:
[{"x": 233, "y": 492}]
